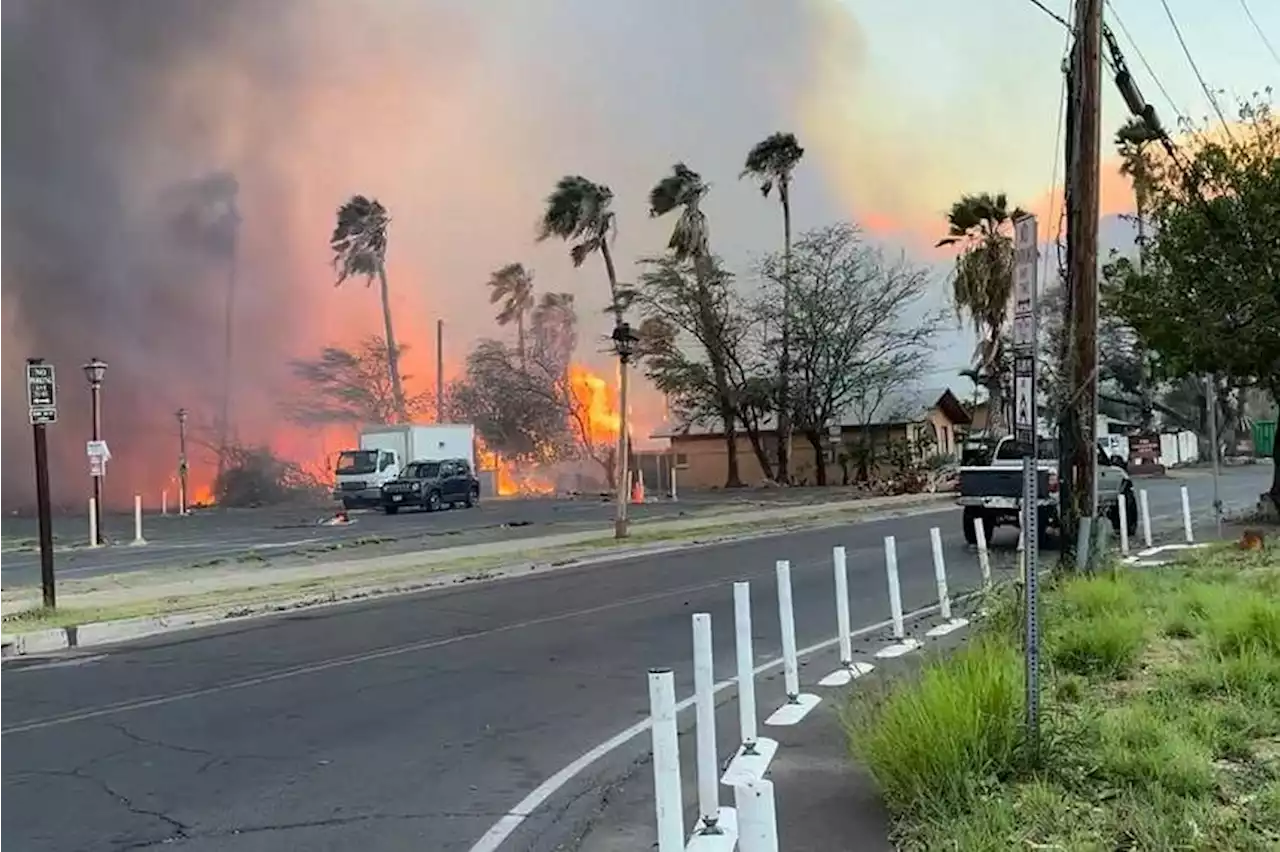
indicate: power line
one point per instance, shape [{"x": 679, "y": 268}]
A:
[
  {"x": 1244, "y": 4},
  {"x": 1155, "y": 78},
  {"x": 1213, "y": 101},
  {"x": 1052, "y": 14}
]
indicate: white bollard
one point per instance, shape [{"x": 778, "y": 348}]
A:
[
  {"x": 895, "y": 590},
  {"x": 1145, "y": 508},
  {"x": 93, "y": 523},
  {"x": 984, "y": 555},
  {"x": 667, "y": 795},
  {"x": 1186, "y": 515},
  {"x": 756, "y": 752},
  {"x": 797, "y": 706},
  {"x": 787, "y": 621},
  {"x": 164, "y": 501},
  {"x": 901, "y": 644},
  {"x": 757, "y": 816},
  {"x": 848, "y": 668},
  {"x": 674, "y": 494},
  {"x": 704, "y": 685},
  {"x": 1122, "y": 508},
  {"x": 137, "y": 520},
  {"x": 940, "y": 573}
]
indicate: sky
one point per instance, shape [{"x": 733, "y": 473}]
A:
[{"x": 460, "y": 115}]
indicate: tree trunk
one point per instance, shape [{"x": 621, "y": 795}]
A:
[
  {"x": 820, "y": 466},
  {"x": 520, "y": 341},
  {"x": 733, "y": 475},
  {"x": 620, "y": 516},
  {"x": 713, "y": 333},
  {"x": 784, "y": 362},
  {"x": 393, "y": 351},
  {"x": 757, "y": 446}
]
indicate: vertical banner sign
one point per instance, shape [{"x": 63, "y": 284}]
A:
[{"x": 1025, "y": 343}]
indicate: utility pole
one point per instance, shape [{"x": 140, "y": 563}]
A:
[
  {"x": 439, "y": 371},
  {"x": 1082, "y": 267},
  {"x": 181, "y": 414}
]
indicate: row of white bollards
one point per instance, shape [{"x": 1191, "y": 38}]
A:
[
  {"x": 751, "y": 824},
  {"x": 138, "y": 538}
]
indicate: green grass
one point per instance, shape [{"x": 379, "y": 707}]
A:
[{"x": 1160, "y": 730}]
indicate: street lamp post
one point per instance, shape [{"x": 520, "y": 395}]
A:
[
  {"x": 624, "y": 344},
  {"x": 94, "y": 372},
  {"x": 181, "y": 414}
]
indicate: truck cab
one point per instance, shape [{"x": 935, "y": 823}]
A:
[{"x": 361, "y": 474}]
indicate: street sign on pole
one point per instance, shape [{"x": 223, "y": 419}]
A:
[
  {"x": 1025, "y": 320},
  {"x": 42, "y": 393},
  {"x": 99, "y": 455}
]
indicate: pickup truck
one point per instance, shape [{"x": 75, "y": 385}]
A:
[{"x": 992, "y": 493}]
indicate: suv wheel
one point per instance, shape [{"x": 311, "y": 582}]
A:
[
  {"x": 473, "y": 497},
  {"x": 432, "y": 503}
]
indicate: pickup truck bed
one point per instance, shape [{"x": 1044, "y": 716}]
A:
[{"x": 998, "y": 482}]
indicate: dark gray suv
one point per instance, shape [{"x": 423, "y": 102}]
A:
[{"x": 432, "y": 485}]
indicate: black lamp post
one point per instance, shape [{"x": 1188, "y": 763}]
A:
[
  {"x": 624, "y": 344},
  {"x": 94, "y": 372},
  {"x": 181, "y": 414}
]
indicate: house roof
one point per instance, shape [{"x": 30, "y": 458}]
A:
[{"x": 905, "y": 405}]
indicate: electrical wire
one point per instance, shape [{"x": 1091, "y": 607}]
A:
[
  {"x": 1244, "y": 4},
  {"x": 1208, "y": 93},
  {"x": 1155, "y": 78},
  {"x": 1052, "y": 14}
]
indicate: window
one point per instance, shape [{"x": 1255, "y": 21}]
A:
[
  {"x": 682, "y": 461},
  {"x": 464, "y": 468},
  {"x": 388, "y": 459},
  {"x": 1011, "y": 449},
  {"x": 423, "y": 470},
  {"x": 357, "y": 462}
]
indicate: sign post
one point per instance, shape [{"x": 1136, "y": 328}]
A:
[
  {"x": 42, "y": 403},
  {"x": 1025, "y": 343}
]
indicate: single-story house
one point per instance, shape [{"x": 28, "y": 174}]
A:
[{"x": 930, "y": 419}]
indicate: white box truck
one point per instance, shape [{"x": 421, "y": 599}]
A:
[{"x": 385, "y": 450}]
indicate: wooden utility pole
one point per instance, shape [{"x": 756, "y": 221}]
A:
[
  {"x": 439, "y": 371},
  {"x": 1080, "y": 467}
]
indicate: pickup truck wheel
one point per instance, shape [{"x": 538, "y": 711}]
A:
[
  {"x": 391, "y": 510},
  {"x": 970, "y": 518}
]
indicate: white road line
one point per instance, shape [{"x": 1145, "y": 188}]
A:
[{"x": 501, "y": 830}]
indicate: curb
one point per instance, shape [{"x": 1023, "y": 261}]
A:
[{"x": 55, "y": 639}]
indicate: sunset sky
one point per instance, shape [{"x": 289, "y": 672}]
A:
[{"x": 460, "y": 115}]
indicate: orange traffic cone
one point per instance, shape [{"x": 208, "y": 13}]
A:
[{"x": 637, "y": 490}]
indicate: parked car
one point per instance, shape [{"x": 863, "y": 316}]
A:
[
  {"x": 432, "y": 485},
  {"x": 992, "y": 493}
]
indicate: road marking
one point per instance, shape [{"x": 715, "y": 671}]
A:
[
  {"x": 501, "y": 830},
  {"x": 341, "y": 662}
]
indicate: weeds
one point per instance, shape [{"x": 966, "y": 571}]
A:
[{"x": 1161, "y": 724}]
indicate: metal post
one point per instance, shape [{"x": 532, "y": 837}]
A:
[
  {"x": 93, "y": 523},
  {"x": 137, "y": 520},
  {"x": 895, "y": 590},
  {"x": 439, "y": 371},
  {"x": 787, "y": 620},
  {"x": 622, "y": 498},
  {"x": 1211, "y": 400},
  {"x": 183, "y": 494},
  {"x": 1145, "y": 507},
  {"x": 1031, "y": 603},
  {"x": 746, "y": 666},
  {"x": 667, "y": 794},
  {"x": 45, "y": 515},
  {"x": 704, "y": 686},
  {"x": 95, "y": 397},
  {"x": 1186, "y": 515}
]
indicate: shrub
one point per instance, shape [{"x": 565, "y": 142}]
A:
[
  {"x": 1102, "y": 647},
  {"x": 934, "y": 741},
  {"x": 1142, "y": 749}
]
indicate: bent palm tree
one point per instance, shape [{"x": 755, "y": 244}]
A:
[
  {"x": 684, "y": 190},
  {"x": 772, "y": 162},
  {"x": 579, "y": 212},
  {"x": 513, "y": 286},
  {"x": 359, "y": 245},
  {"x": 983, "y": 284}
]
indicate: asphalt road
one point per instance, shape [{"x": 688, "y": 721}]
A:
[
  {"x": 211, "y": 535},
  {"x": 411, "y": 722}
]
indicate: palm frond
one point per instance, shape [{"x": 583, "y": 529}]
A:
[{"x": 359, "y": 240}]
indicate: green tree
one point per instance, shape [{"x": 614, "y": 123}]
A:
[
  {"x": 1207, "y": 299},
  {"x": 350, "y": 386},
  {"x": 772, "y": 162},
  {"x": 512, "y": 285},
  {"x": 684, "y": 190},
  {"x": 1133, "y": 140},
  {"x": 983, "y": 284},
  {"x": 554, "y": 330},
  {"x": 359, "y": 245}
]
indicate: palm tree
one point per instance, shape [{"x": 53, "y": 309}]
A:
[
  {"x": 983, "y": 285},
  {"x": 1132, "y": 140},
  {"x": 772, "y": 162},
  {"x": 579, "y": 212},
  {"x": 513, "y": 286},
  {"x": 684, "y": 189},
  {"x": 359, "y": 245}
]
